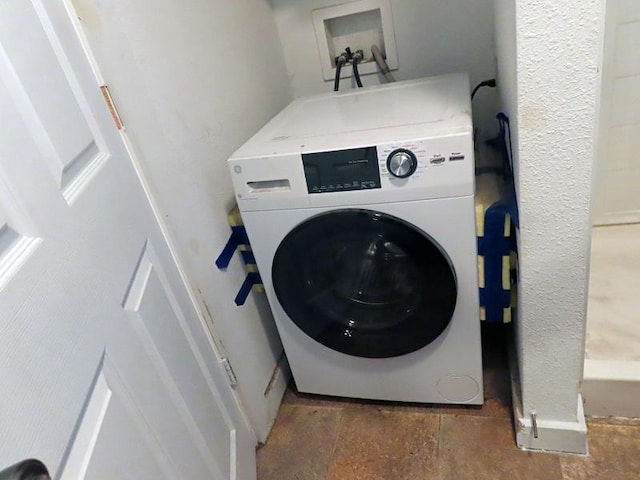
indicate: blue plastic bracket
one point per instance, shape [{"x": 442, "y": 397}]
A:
[
  {"x": 252, "y": 279},
  {"x": 238, "y": 237}
]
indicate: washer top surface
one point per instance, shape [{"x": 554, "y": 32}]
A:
[{"x": 417, "y": 108}]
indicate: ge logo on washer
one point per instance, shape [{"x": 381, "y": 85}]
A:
[{"x": 237, "y": 169}]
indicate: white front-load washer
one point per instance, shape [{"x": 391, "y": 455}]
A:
[{"x": 359, "y": 208}]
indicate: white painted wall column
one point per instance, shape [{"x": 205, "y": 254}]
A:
[{"x": 549, "y": 59}]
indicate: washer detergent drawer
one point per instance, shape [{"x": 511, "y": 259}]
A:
[{"x": 269, "y": 183}]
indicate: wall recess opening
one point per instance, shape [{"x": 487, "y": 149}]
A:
[{"x": 358, "y": 25}]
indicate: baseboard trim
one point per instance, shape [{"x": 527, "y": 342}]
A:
[
  {"x": 553, "y": 436},
  {"x": 273, "y": 396},
  {"x": 617, "y": 218},
  {"x": 611, "y": 388}
]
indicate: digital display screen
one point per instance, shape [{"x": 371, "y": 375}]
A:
[
  {"x": 341, "y": 170},
  {"x": 352, "y": 165}
]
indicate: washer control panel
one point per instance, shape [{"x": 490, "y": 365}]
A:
[
  {"x": 401, "y": 162},
  {"x": 404, "y": 170},
  {"x": 409, "y": 164}
]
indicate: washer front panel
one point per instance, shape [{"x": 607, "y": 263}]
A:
[
  {"x": 365, "y": 283},
  {"x": 413, "y": 377}
]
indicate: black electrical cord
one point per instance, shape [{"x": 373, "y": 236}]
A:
[
  {"x": 341, "y": 60},
  {"x": 357, "y": 58},
  {"x": 487, "y": 83}
]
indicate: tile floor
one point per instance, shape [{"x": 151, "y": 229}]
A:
[{"x": 326, "y": 438}]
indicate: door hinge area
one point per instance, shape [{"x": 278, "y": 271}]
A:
[
  {"x": 112, "y": 107},
  {"x": 233, "y": 381}
]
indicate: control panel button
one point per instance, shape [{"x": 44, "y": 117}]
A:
[{"x": 402, "y": 163}]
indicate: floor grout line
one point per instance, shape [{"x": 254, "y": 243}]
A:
[
  {"x": 438, "y": 447},
  {"x": 335, "y": 443}
]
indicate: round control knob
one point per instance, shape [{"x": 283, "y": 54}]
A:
[{"x": 402, "y": 163}]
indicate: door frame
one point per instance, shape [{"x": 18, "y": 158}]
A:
[{"x": 607, "y": 67}]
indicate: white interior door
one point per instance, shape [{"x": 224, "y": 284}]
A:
[
  {"x": 616, "y": 192},
  {"x": 107, "y": 371}
]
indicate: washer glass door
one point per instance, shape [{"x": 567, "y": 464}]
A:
[{"x": 365, "y": 283}]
